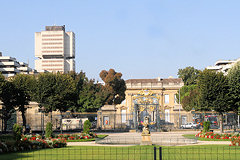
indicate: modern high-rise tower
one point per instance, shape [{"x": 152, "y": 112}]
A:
[{"x": 55, "y": 50}]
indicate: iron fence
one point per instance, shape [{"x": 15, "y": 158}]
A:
[{"x": 129, "y": 153}]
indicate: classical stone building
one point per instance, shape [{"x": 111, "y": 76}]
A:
[{"x": 156, "y": 98}]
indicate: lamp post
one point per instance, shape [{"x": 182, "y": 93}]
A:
[
  {"x": 41, "y": 110},
  {"x": 179, "y": 109}
]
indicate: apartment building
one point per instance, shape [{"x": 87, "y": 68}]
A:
[
  {"x": 9, "y": 66},
  {"x": 223, "y": 65},
  {"x": 55, "y": 50}
]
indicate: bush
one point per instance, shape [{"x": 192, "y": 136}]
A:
[
  {"x": 86, "y": 126},
  {"x": 17, "y": 132},
  {"x": 49, "y": 131},
  {"x": 206, "y": 126}
]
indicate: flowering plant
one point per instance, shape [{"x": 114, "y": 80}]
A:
[{"x": 234, "y": 137}]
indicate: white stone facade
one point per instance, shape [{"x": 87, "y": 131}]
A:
[{"x": 55, "y": 50}]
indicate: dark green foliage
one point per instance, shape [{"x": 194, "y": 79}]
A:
[
  {"x": 23, "y": 86},
  {"x": 114, "y": 88},
  {"x": 86, "y": 126},
  {"x": 189, "y": 75},
  {"x": 213, "y": 93},
  {"x": 55, "y": 91},
  {"x": 17, "y": 132},
  {"x": 8, "y": 96},
  {"x": 90, "y": 97},
  {"x": 206, "y": 126},
  {"x": 189, "y": 97},
  {"x": 49, "y": 131},
  {"x": 234, "y": 86}
]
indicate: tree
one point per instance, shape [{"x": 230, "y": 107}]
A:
[
  {"x": 189, "y": 75},
  {"x": 91, "y": 97},
  {"x": 234, "y": 86},
  {"x": 189, "y": 97},
  {"x": 63, "y": 93},
  {"x": 234, "y": 89},
  {"x": 213, "y": 93},
  {"x": 114, "y": 88},
  {"x": 23, "y": 84},
  {"x": 8, "y": 98}
]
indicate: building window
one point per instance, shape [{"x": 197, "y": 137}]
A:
[
  {"x": 123, "y": 114},
  {"x": 175, "y": 98},
  {"x": 166, "y": 98},
  {"x": 167, "y": 115},
  {"x": 105, "y": 120}
]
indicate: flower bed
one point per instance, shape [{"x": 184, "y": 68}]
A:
[
  {"x": 30, "y": 142},
  {"x": 233, "y": 137},
  {"x": 77, "y": 136}
]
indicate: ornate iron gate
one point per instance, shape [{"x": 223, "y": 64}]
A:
[{"x": 146, "y": 103}]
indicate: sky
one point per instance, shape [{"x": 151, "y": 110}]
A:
[{"x": 139, "y": 38}]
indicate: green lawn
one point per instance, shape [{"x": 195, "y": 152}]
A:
[
  {"x": 220, "y": 152},
  {"x": 192, "y": 136}
]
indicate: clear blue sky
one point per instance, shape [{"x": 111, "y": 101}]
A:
[{"x": 140, "y": 38}]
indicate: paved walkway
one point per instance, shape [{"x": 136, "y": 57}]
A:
[{"x": 171, "y": 136}]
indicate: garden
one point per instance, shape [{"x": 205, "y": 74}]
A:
[
  {"x": 207, "y": 135},
  {"x": 17, "y": 142}
]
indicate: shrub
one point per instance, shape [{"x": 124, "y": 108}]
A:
[
  {"x": 86, "y": 126},
  {"x": 49, "y": 131},
  {"x": 17, "y": 132},
  {"x": 206, "y": 126}
]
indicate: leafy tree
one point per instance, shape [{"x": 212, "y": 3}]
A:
[
  {"x": 234, "y": 90},
  {"x": 55, "y": 91},
  {"x": 189, "y": 75},
  {"x": 79, "y": 81},
  {"x": 44, "y": 89},
  {"x": 234, "y": 86},
  {"x": 90, "y": 97},
  {"x": 8, "y": 97},
  {"x": 63, "y": 93},
  {"x": 115, "y": 87},
  {"x": 189, "y": 97},
  {"x": 213, "y": 93},
  {"x": 23, "y": 85}
]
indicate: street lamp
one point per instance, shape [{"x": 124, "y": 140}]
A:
[
  {"x": 42, "y": 111},
  {"x": 179, "y": 108}
]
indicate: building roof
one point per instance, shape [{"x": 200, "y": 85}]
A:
[{"x": 168, "y": 80}]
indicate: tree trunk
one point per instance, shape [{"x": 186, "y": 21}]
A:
[
  {"x": 23, "y": 118},
  {"x": 221, "y": 122},
  {"x": 5, "y": 125}
]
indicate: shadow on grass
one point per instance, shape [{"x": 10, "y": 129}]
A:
[{"x": 12, "y": 156}]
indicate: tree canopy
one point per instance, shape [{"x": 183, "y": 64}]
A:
[
  {"x": 23, "y": 86},
  {"x": 234, "y": 86},
  {"x": 189, "y": 97},
  {"x": 189, "y": 75},
  {"x": 213, "y": 93},
  {"x": 114, "y": 88}
]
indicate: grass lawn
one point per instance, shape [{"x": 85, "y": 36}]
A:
[
  {"x": 87, "y": 140},
  {"x": 220, "y": 152},
  {"x": 192, "y": 136}
]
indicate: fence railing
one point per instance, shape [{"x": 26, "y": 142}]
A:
[{"x": 129, "y": 153}]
